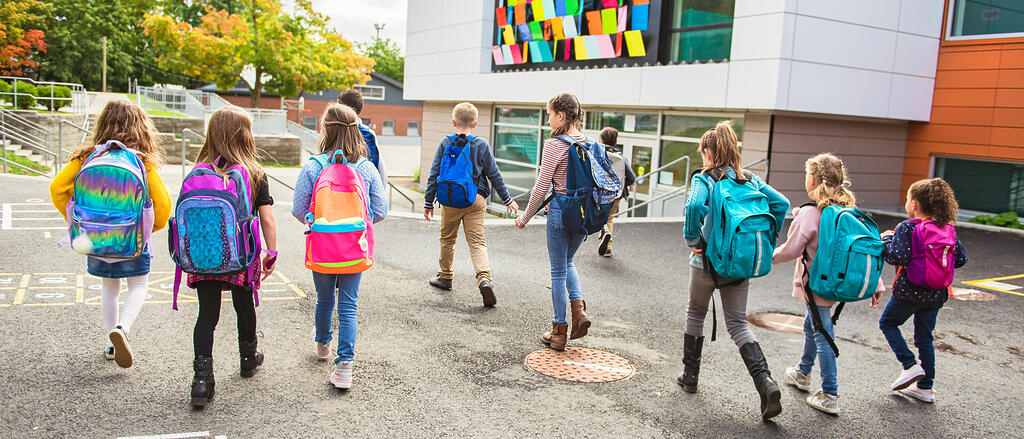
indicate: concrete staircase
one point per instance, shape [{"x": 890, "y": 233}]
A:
[{"x": 29, "y": 153}]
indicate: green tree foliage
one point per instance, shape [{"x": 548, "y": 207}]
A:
[
  {"x": 387, "y": 58},
  {"x": 192, "y": 12},
  {"x": 75, "y": 34},
  {"x": 288, "y": 51},
  {"x": 21, "y": 35}
]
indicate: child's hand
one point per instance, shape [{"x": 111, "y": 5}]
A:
[
  {"x": 697, "y": 251},
  {"x": 269, "y": 262},
  {"x": 887, "y": 233},
  {"x": 519, "y": 224},
  {"x": 513, "y": 208},
  {"x": 875, "y": 300},
  {"x": 428, "y": 214}
]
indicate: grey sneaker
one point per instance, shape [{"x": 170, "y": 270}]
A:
[
  {"x": 797, "y": 379},
  {"x": 342, "y": 375},
  {"x": 824, "y": 402}
]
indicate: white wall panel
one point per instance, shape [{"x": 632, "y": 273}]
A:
[
  {"x": 916, "y": 55},
  {"x": 843, "y": 44},
  {"x": 922, "y": 17},
  {"x": 754, "y": 84},
  {"x": 819, "y": 88},
  {"x": 762, "y": 36},
  {"x": 423, "y": 15},
  {"x": 611, "y": 86},
  {"x": 695, "y": 86},
  {"x": 911, "y": 98},
  {"x": 877, "y": 13},
  {"x": 746, "y": 8}
]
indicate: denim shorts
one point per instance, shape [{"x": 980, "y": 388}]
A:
[{"x": 117, "y": 270}]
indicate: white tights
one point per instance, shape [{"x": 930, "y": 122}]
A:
[{"x": 137, "y": 288}]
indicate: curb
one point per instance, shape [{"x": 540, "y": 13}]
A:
[
  {"x": 537, "y": 219},
  {"x": 959, "y": 225}
]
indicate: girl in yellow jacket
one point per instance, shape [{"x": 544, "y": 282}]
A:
[{"x": 127, "y": 123}]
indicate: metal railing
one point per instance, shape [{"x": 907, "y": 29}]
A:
[
  {"x": 631, "y": 201},
  {"x": 79, "y": 98},
  {"x": 185, "y": 132},
  {"x": 307, "y": 137},
  {"x": 267, "y": 121},
  {"x": 60, "y": 139},
  {"x": 392, "y": 188},
  {"x": 174, "y": 100},
  {"x": 28, "y": 135}
]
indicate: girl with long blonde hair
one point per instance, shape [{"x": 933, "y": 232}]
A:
[
  {"x": 339, "y": 132},
  {"x": 229, "y": 142},
  {"x": 127, "y": 123}
]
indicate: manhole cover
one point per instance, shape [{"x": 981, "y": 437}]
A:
[
  {"x": 580, "y": 365},
  {"x": 968, "y": 294},
  {"x": 778, "y": 322}
]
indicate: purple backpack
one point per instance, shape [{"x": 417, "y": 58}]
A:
[
  {"x": 214, "y": 231},
  {"x": 932, "y": 249}
]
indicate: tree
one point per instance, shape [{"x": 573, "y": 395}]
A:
[
  {"x": 21, "y": 35},
  {"x": 288, "y": 52},
  {"x": 75, "y": 32},
  {"x": 387, "y": 57}
]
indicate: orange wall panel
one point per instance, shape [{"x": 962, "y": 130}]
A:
[
  {"x": 973, "y": 60},
  {"x": 1008, "y": 117},
  {"x": 981, "y": 116},
  {"x": 1012, "y": 59},
  {"x": 964, "y": 97},
  {"x": 1010, "y": 98},
  {"x": 1011, "y": 78},
  {"x": 966, "y": 79},
  {"x": 1007, "y": 136},
  {"x": 953, "y": 134}
]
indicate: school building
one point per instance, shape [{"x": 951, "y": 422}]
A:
[{"x": 901, "y": 89}]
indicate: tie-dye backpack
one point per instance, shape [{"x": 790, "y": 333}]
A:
[
  {"x": 339, "y": 238},
  {"x": 214, "y": 231},
  {"x": 110, "y": 215}
]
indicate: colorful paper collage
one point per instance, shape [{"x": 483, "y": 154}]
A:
[{"x": 537, "y": 31}]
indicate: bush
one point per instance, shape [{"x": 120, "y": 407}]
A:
[
  {"x": 1005, "y": 219},
  {"x": 61, "y": 96},
  {"x": 4, "y": 88},
  {"x": 25, "y": 95}
]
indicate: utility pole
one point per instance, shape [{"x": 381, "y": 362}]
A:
[
  {"x": 378, "y": 26},
  {"x": 104, "y": 64}
]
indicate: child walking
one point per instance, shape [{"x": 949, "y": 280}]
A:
[
  {"x": 121, "y": 121},
  {"x": 932, "y": 208},
  {"x": 339, "y": 133},
  {"x": 229, "y": 142},
  {"x": 565, "y": 119},
  {"x": 609, "y": 139},
  {"x": 480, "y": 168},
  {"x": 826, "y": 185},
  {"x": 354, "y": 99},
  {"x": 721, "y": 154}
]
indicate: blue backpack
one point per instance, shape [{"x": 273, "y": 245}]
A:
[
  {"x": 371, "y": 145},
  {"x": 742, "y": 229},
  {"x": 455, "y": 184},
  {"x": 848, "y": 263},
  {"x": 590, "y": 186}
]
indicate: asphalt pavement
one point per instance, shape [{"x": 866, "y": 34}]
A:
[{"x": 431, "y": 363}]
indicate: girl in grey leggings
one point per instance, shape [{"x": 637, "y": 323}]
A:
[{"x": 721, "y": 160}]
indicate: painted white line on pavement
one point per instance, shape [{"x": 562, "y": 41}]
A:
[
  {"x": 997, "y": 285},
  {"x": 172, "y": 436}
]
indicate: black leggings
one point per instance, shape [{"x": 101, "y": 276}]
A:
[{"x": 209, "y": 292}]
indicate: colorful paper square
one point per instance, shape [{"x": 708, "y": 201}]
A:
[
  {"x": 524, "y": 33},
  {"x": 635, "y": 43},
  {"x": 640, "y": 16},
  {"x": 557, "y": 28},
  {"x": 593, "y": 48},
  {"x": 549, "y": 8},
  {"x": 536, "y": 31},
  {"x": 509, "y": 34},
  {"x": 609, "y": 3},
  {"x": 569, "y": 26},
  {"x": 604, "y": 43},
  {"x": 572, "y": 7},
  {"x": 520, "y": 13},
  {"x": 580, "y": 47},
  {"x": 560, "y": 8},
  {"x": 622, "y": 19},
  {"x": 608, "y": 21},
  {"x": 501, "y": 16},
  {"x": 517, "y": 56},
  {"x": 499, "y": 57},
  {"x": 538, "y": 10},
  {"x": 594, "y": 22}
]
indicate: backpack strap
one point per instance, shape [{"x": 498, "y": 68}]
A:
[{"x": 815, "y": 318}]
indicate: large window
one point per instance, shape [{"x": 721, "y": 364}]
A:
[
  {"x": 517, "y": 148},
  {"x": 388, "y": 128},
  {"x": 639, "y": 123},
  {"x": 516, "y": 144},
  {"x": 680, "y": 136},
  {"x": 971, "y": 19},
  {"x": 414, "y": 129},
  {"x": 984, "y": 186},
  {"x": 700, "y": 30}
]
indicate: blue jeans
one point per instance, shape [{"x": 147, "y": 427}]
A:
[
  {"x": 562, "y": 246},
  {"x": 896, "y": 313},
  {"x": 346, "y": 288},
  {"x": 815, "y": 344}
]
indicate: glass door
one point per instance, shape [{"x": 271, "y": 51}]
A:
[{"x": 641, "y": 156}]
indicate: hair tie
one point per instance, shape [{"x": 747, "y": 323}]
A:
[{"x": 337, "y": 122}]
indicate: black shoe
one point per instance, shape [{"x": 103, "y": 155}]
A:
[
  {"x": 442, "y": 283},
  {"x": 692, "y": 347},
  {"x": 202, "y": 383},
  {"x": 763, "y": 382},
  {"x": 250, "y": 358},
  {"x": 487, "y": 290},
  {"x": 606, "y": 241}
]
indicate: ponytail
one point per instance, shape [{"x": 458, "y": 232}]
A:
[{"x": 722, "y": 145}]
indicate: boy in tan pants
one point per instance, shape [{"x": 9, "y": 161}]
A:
[{"x": 484, "y": 170}]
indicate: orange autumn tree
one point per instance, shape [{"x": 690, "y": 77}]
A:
[
  {"x": 288, "y": 51},
  {"x": 21, "y": 36}
]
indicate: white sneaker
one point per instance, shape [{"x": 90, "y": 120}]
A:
[
  {"x": 920, "y": 394},
  {"x": 122, "y": 351},
  {"x": 108, "y": 352},
  {"x": 797, "y": 379},
  {"x": 323, "y": 351},
  {"x": 824, "y": 402},
  {"x": 908, "y": 377},
  {"x": 342, "y": 375}
]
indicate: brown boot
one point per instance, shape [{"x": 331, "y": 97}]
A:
[
  {"x": 580, "y": 322},
  {"x": 556, "y": 338}
]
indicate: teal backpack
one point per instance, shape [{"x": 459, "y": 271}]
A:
[
  {"x": 742, "y": 229},
  {"x": 848, "y": 263}
]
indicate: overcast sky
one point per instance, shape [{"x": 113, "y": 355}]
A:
[{"x": 354, "y": 19}]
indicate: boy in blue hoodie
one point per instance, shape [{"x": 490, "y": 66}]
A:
[
  {"x": 485, "y": 169},
  {"x": 353, "y": 98}
]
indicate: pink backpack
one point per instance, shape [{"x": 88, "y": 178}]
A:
[
  {"x": 932, "y": 250},
  {"x": 340, "y": 235}
]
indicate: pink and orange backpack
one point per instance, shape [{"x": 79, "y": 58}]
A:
[{"x": 339, "y": 234}]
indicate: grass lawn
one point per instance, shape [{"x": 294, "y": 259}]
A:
[
  {"x": 37, "y": 110},
  {"x": 278, "y": 165},
  {"x": 24, "y": 162}
]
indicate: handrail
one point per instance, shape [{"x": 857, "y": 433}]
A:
[
  {"x": 60, "y": 139},
  {"x": 659, "y": 169},
  {"x": 9, "y": 162},
  {"x": 11, "y": 114},
  {"x": 79, "y": 103},
  {"x": 392, "y": 188}
]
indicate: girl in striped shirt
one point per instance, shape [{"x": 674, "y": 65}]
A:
[{"x": 565, "y": 118}]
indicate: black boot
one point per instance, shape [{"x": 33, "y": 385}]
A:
[
  {"x": 202, "y": 383},
  {"x": 766, "y": 386},
  {"x": 692, "y": 347},
  {"x": 250, "y": 357}
]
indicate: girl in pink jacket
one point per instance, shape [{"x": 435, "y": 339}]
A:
[{"x": 826, "y": 185}]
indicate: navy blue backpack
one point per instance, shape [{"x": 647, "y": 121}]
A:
[
  {"x": 371, "y": 145},
  {"x": 455, "y": 185},
  {"x": 590, "y": 186}
]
